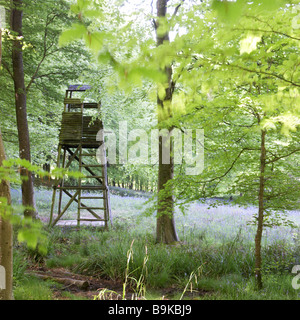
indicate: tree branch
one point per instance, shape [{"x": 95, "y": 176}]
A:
[
  {"x": 232, "y": 165},
  {"x": 284, "y": 156},
  {"x": 45, "y": 51},
  {"x": 267, "y": 31},
  {"x": 177, "y": 8},
  {"x": 50, "y": 74},
  {"x": 6, "y": 67},
  {"x": 266, "y": 73}
]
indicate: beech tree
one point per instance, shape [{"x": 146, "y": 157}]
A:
[
  {"x": 46, "y": 68},
  {"x": 246, "y": 81},
  {"x": 165, "y": 229},
  {"x": 6, "y": 231},
  {"x": 21, "y": 108},
  {"x": 158, "y": 71}
]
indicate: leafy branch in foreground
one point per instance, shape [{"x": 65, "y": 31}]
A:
[{"x": 29, "y": 230}]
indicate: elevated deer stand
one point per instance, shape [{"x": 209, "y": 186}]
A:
[{"x": 78, "y": 146}]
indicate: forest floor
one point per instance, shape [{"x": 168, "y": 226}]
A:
[
  {"x": 84, "y": 287},
  {"x": 93, "y": 285},
  {"x": 215, "y": 256}
]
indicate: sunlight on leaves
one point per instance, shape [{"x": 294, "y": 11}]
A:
[{"x": 249, "y": 44}]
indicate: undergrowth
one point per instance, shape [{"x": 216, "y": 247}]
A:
[
  {"x": 226, "y": 269},
  {"x": 214, "y": 260}
]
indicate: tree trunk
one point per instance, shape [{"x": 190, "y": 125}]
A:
[
  {"x": 6, "y": 237},
  {"x": 0, "y": 45},
  {"x": 260, "y": 218},
  {"x": 165, "y": 224},
  {"x": 21, "y": 111},
  {"x": 81, "y": 284}
]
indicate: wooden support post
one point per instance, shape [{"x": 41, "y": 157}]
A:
[
  {"x": 54, "y": 189},
  {"x": 82, "y": 205},
  {"x": 82, "y": 163},
  {"x": 73, "y": 156},
  {"x": 66, "y": 207},
  {"x": 62, "y": 183},
  {"x": 79, "y": 184},
  {"x": 103, "y": 160}
]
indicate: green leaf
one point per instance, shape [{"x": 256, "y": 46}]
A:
[
  {"x": 228, "y": 11},
  {"x": 161, "y": 91},
  {"x": 76, "y": 32},
  {"x": 163, "y": 27},
  {"x": 249, "y": 44},
  {"x": 82, "y": 4},
  {"x": 29, "y": 236},
  {"x": 268, "y": 124},
  {"x": 92, "y": 14},
  {"x": 94, "y": 41},
  {"x": 268, "y": 4}
]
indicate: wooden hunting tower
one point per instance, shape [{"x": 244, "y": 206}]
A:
[{"x": 79, "y": 143}]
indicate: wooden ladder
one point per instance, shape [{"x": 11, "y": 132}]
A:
[{"x": 96, "y": 173}]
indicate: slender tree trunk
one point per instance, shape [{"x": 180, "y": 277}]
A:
[
  {"x": 260, "y": 218},
  {"x": 165, "y": 224},
  {"x": 6, "y": 240},
  {"x": 0, "y": 44},
  {"x": 21, "y": 110},
  {"x": 6, "y": 237}
]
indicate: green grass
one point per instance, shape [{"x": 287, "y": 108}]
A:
[
  {"x": 31, "y": 288},
  {"x": 226, "y": 270},
  {"x": 217, "y": 247}
]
